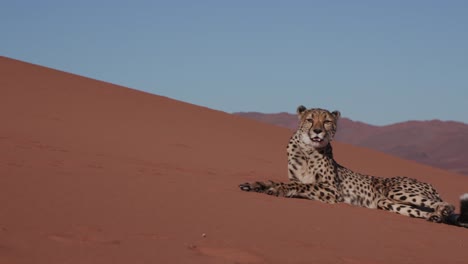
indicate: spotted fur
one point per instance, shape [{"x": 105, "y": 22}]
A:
[{"x": 315, "y": 175}]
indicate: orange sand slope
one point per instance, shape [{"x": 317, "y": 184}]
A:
[{"x": 97, "y": 173}]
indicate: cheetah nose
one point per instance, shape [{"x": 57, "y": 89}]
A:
[{"x": 317, "y": 131}]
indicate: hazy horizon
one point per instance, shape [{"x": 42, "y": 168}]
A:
[{"x": 377, "y": 62}]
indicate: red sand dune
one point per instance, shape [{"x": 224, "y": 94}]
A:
[
  {"x": 442, "y": 144},
  {"x": 97, "y": 173}
]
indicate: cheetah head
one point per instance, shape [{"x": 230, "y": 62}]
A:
[{"x": 317, "y": 127}]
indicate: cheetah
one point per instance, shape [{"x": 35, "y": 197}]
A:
[{"x": 314, "y": 174}]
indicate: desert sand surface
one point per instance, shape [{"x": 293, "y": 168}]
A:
[{"x": 92, "y": 172}]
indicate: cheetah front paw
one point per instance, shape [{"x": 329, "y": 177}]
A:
[
  {"x": 253, "y": 187},
  {"x": 262, "y": 187}
]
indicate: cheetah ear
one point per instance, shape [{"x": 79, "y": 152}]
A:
[
  {"x": 300, "y": 110},
  {"x": 336, "y": 114}
]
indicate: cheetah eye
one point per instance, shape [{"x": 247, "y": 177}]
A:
[
  {"x": 310, "y": 120},
  {"x": 327, "y": 122}
]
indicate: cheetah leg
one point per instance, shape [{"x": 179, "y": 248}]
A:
[
  {"x": 423, "y": 197},
  {"x": 401, "y": 208},
  {"x": 439, "y": 214},
  {"x": 293, "y": 190}
]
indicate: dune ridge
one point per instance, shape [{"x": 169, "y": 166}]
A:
[{"x": 93, "y": 172}]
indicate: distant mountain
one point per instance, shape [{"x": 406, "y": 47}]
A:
[{"x": 442, "y": 144}]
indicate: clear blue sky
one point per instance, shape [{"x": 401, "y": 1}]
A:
[{"x": 378, "y": 62}]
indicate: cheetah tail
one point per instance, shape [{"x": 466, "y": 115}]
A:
[{"x": 462, "y": 218}]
